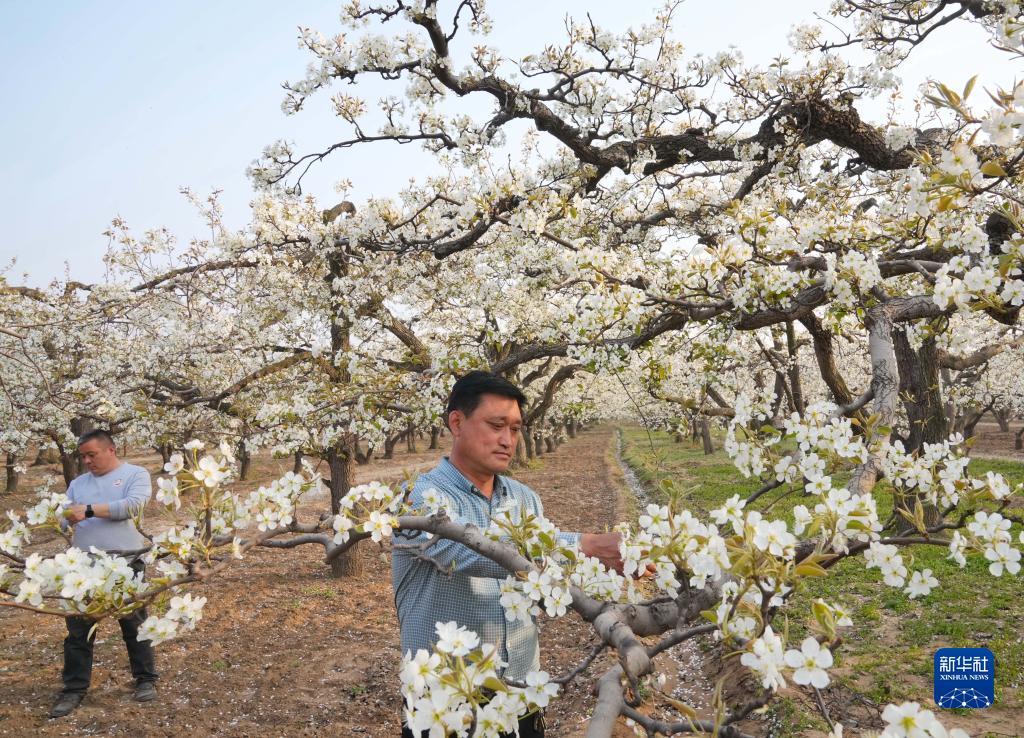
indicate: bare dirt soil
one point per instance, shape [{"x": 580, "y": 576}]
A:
[
  {"x": 991, "y": 442},
  {"x": 283, "y": 649}
]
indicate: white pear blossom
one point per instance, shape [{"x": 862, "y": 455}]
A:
[{"x": 810, "y": 663}]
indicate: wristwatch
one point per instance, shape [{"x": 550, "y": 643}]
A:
[{"x": 89, "y": 512}]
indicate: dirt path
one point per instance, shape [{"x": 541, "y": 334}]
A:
[{"x": 285, "y": 650}]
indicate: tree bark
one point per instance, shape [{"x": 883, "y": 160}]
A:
[
  {"x": 826, "y": 358},
  {"x": 390, "y": 443},
  {"x": 46, "y": 456},
  {"x": 435, "y": 434},
  {"x": 520, "y": 459},
  {"x": 527, "y": 433},
  {"x": 341, "y": 458},
  {"x": 341, "y": 461},
  {"x": 705, "y": 436},
  {"x": 68, "y": 464},
  {"x": 971, "y": 418},
  {"x": 549, "y": 444},
  {"x": 410, "y": 438},
  {"x": 244, "y": 461},
  {"x": 782, "y": 394},
  {"x": 1002, "y": 417},
  {"x": 794, "y": 369},
  {"x": 297, "y": 463},
  {"x": 13, "y": 476},
  {"x": 921, "y": 391},
  {"x": 885, "y": 384}
]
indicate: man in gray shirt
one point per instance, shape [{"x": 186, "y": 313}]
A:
[{"x": 102, "y": 506}]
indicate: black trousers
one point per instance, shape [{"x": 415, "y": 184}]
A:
[
  {"x": 78, "y": 649},
  {"x": 531, "y": 726}
]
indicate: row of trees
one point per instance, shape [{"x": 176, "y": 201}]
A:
[{"x": 627, "y": 231}]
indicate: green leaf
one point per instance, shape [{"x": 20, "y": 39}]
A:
[
  {"x": 952, "y": 97},
  {"x": 683, "y": 708},
  {"x": 810, "y": 569},
  {"x": 969, "y": 87},
  {"x": 494, "y": 684},
  {"x": 992, "y": 169}
]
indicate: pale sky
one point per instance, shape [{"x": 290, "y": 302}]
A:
[{"x": 111, "y": 107}]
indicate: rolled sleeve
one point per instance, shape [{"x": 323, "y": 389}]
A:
[
  {"x": 570, "y": 540},
  {"x": 136, "y": 495}
]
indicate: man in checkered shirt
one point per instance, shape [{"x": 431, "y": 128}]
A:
[{"x": 484, "y": 414}]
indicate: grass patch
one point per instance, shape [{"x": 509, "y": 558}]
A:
[
  {"x": 321, "y": 591},
  {"x": 890, "y": 647}
]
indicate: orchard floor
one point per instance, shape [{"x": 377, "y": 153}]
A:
[{"x": 283, "y": 649}]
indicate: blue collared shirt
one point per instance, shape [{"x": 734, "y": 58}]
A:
[{"x": 470, "y": 594}]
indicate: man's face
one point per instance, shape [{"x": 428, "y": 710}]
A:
[
  {"x": 487, "y": 437},
  {"x": 97, "y": 456}
]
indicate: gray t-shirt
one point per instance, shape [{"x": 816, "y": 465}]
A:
[{"x": 126, "y": 489}]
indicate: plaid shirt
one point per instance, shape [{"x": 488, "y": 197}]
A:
[{"x": 470, "y": 594}]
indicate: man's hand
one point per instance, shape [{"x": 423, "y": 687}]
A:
[
  {"x": 75, "y": 514},
  {"x": 604, "y": 547}
]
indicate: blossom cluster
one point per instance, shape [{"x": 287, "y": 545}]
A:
[
  {"x": 768, "y": 659},
  {"x": 558, "y": 568},
  {"x": 674, "y": 542},
  {"x": 937, "y": 475},
  {"x": 78, "y": 581},
  {"x": 458, "y": 686},
  {"x": 908, "y": 719},
  {"x": 370, "y": 508},
  {"x": 183, "y": 613}
]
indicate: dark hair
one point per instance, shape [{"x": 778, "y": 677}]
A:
[
  {"x": 94, "y": 435},
  {"x": 466, "y": 392}
]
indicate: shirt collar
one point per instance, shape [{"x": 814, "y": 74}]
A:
[{"x": 452, "y": 473}]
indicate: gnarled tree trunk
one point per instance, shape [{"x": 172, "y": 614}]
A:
[
  {"x": 390, "y": 443},
  {"x": 921, "y": 391},
  {"x": 705, "y": 436},
  {"x": 1002, "y": 416},
  {"x": 13, "y": 476},
  {"x": 244, "y": 461},
  {"x": 794, "y": 369},
  {"x": 527, "y": 441},
  {"x": 341, "y": 461},
  {"x": 521, "y": 449}
]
